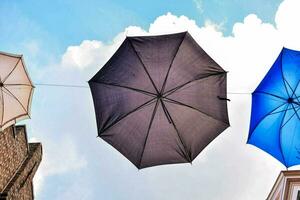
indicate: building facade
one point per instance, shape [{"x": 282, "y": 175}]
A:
[
  {"x": 19, "y": 160},
  {"x": 286, "y": 187}
]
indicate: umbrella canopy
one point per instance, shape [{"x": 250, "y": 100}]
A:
[
  {"x": 160, "y": 99},
  {"x": 16, "y": 90},
  {"x": 275, "y": 115}
]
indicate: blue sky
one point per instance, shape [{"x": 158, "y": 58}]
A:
[
  {"x": 68, "y": 22},
  {"x": 76, "y": 165}
]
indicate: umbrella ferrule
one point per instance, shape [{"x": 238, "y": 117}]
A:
[
  {"x": 290, "y": 100},
  {"x": 159, "y": 96},
  {"x": 223, "y": 98}
]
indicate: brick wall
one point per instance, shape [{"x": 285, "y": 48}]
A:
[
  {"x": 13, "y": 151},
  {"x": 18, "y": 164},
  {"x": 20, "y": 188}
]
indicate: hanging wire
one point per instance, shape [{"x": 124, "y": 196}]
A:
[
  {"x": 239, "y": 93},
  {"x": 60, "y": 85},
  {"x": 85, "y": 87}
]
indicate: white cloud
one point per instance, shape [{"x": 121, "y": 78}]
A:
[
  {"x": 287, "y": 23},
  {"x": 250, "y": 50},
  {"x": 87, "y": 54},
  {"x": 171, "y": 24},
  {"x": 227, "y": 163},
  {"x": 91, "y": 53}
]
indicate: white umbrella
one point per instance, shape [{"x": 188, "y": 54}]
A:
[{"x": 16, "y": 90}]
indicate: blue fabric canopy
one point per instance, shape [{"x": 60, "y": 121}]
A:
[{"x": 275, "y": 115}]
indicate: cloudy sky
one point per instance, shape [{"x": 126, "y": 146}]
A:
[{"x": 66, "y": 42}]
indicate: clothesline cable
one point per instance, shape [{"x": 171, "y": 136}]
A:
[{"x": 83, "y": 86}]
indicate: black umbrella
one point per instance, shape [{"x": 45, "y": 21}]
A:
[{"x": 160, "y": 99}]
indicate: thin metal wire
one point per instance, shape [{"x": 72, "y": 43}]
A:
[
  {"x": 239, "y": 93},
  {"x": 83, "y": 86},
  {"x": 60, "y": 85}
]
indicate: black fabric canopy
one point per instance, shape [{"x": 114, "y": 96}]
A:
[{"x": 160, "y": 99}]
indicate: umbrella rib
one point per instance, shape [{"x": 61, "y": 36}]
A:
[
  {"x": 283, "y": 76},
  {"x": 261, "y": 92},
  {"x": 287, "y": 108},
  {"x": 295, "y": 111},
  {"x": 2, "y": 106},
  {"x": 13, "y": 96},
  {"x": 185, "y": 151},
  {"x": 289, "y": 86},
  {"x": 129, "y": 88},
  {"x": 17, "y": 84},
  {"x": 291, "y": 144},
  {"x": 11, "y": 70},
  {"x": 295, "y": 88},
  {"x": 183, "y": 104},
  {"x": 148, "y": 131},
  {"x": 290, "y": 118},
  {"x": 144, "y": 67},
  {"x": 165, "y": 111},
  {"x": 171, "y": 91},
  {"x": 29, "y": 101},
  {"x": 124, "y": 116},
  {"x": 264, "y": 118},
  {"x": 297, "y": 103},
  {"x": 165, "y": 80},
  {"x": 15, "y": 119},
  {"x": 280, "y": 142},
  {"x": 281, "y": 111}
]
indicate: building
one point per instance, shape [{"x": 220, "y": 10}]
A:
[
  {"x": 286, "y": 187},
  {"x": 18, "y": 164}
]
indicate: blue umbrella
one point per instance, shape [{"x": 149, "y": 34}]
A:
[{"x": 275, "y": 115}]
